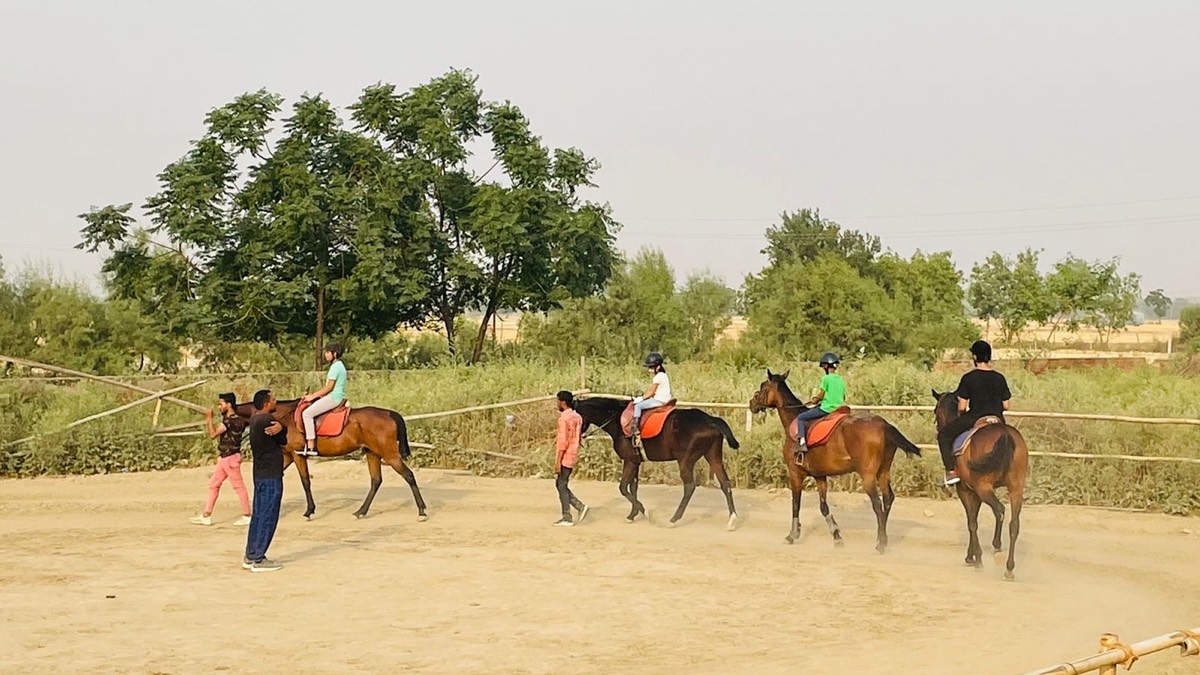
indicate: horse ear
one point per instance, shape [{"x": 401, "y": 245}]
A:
[
  {"x": 785, "y": 374},
  {"x": 770, "y": 375},
  {"x": 936, "y": 395}
]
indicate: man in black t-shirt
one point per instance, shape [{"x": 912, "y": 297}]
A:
[
  {"x": 267, "y": 439},
  {"x": 981, "y": 392}
]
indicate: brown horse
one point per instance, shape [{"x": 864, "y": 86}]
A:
[
  {"x": 687, "y": 435},
  {"x": 379, "y": 431},
  {"x": 995, "y": 457},
  {"x": 865, "y": 444}
]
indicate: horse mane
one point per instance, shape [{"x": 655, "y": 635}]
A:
[{"x": 601, "y": 405}]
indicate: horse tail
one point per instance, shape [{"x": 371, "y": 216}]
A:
[
  {"x": 897, "y": 440},
  {"x": 727, "y": 432},
  {"x": 998, "y": 460},
  {"x": 401, "y": 435}
]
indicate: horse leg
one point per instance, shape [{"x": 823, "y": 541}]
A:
[
  {"x": 971, "y": 504},
  {"x": 628, "y": 471},
  {"x": 871, "y": 487},
  {"x": 1015, "y": 499},
  {"x": 687, "y": 472},
  {"x": 796, "y": 483},
  {"x": 407, "y": 474},
  {"x": 717, "y": 464},
  {"x": 823, "y": 490},
  {"x": 373, "y": 465},
  {"x": 988, "y": 496},
  {"x": 305, "y": 480}
]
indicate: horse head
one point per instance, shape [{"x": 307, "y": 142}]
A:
[
  {"x": 599, "y": 412},
  {"x": 770, "y": 393},
  {"x": 946, "y": 408}
]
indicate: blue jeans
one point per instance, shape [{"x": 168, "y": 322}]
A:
[
  {"x": 268, "y": 495},
  {"x": 807, "y": 416},
  {"x": 639, "y": 408}
]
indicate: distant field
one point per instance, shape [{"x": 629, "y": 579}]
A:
[{"x": 1148, "y": 337}]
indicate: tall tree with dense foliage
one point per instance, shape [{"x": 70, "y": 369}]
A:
[
  {"x": 826, "y": 287},
  {"x": 516, "y": 236},
  {"x": 321, "y": 227}
]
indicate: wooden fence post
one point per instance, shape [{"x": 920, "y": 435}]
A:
[{"x": 749, "y": 420}]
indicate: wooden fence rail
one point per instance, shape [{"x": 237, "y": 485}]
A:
[
  {"x": 1115, "y": 653},
  {"x": 1012, "y": 413}
]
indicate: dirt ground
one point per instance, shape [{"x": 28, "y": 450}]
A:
[{"x": 105, "y": 574}]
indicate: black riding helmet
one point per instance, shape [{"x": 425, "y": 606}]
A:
[
  {"x": 653, "y": 360},
  {"x": 982, "y": 351},
  {"x": 829, "y": 359}
]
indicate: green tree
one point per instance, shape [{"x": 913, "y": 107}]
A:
[
  {"x": 273, "y": 236},
  {"x": 642, "y": 310},
  {"x": 1159, "y": 303},
  {"x": 707, "y": 305},
  {"x": 928, "y": 288},
  {"x": 1189, "y": 327},
  {"x": 1010, "y": 291},
  {"x": 522, "y": 239},
  {"x": 805, "y": 302},
  {"x": 803, "y": 236},
  {"x": 802, "y": 309}
]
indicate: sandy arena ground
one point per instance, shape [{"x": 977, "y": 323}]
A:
[{"x": 105, "y": 574}]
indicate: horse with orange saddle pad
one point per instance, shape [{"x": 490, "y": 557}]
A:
[
  {"x": 653, "y": 420},
  {"x": 838, "y": 444},
  {"x": 332, "y": 423},
  {"x": 818, "y": 432}
]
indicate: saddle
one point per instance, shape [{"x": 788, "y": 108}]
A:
[
  {"x": 818, "y": 432},
  {"x": 964, "y": 439},
  {"x": 332, "y": 423},
  {"x": 652, "y": 420}
]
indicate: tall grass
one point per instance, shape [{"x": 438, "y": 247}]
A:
[{"x": 122, "y": 442}]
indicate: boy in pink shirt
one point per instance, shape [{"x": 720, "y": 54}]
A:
[{"x": 566, "y": 452}]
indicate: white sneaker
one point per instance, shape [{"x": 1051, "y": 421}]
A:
[
  {"x": 564, "y": 523},
  {"x": 202, "y": 520},
  {"x": 243, "y": 520},
  {"x": 583, "y": 513}
]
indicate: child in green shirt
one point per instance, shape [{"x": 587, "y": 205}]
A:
[{"x": 830, "y": 397}]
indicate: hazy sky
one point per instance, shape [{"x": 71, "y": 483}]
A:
[{"x": 935, "y": 125}]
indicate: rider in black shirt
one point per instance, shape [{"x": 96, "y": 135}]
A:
[{"x": 981, "y": 392}]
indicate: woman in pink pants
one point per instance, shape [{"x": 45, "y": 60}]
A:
[{"x": 229, "y": 446}]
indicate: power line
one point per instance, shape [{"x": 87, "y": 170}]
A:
[
  {"x": 936, "y": 214},
  {"x": 1178, "y": 219}
]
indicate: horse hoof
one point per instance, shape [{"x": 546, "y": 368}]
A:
[
  {"x": 671, "y": 524},
  {"x": 732, "y": 524},
  {"x": 422, "y": 518},
  {"x": 360, "y": 516},
  {"x": 881, "y": 549},
  {"x": 789, "y": 539},
  {"x": 839, "y": 543},
  {"x": 1008, "y": 576}
]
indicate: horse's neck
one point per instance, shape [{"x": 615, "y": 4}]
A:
[{"x": 791, "y": 408}]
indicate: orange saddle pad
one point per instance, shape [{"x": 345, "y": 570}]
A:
[
  {"x": 652, "y": 420},
  {"x": 332, "y": 423},
  {"x": 819, "y": 432}
]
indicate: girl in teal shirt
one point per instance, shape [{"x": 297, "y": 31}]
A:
[{"x": 326, "y": 398}]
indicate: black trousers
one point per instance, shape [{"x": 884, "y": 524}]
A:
[
  {"x": 565, "y": 496},
  {"x": 953, "y": 430}
]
